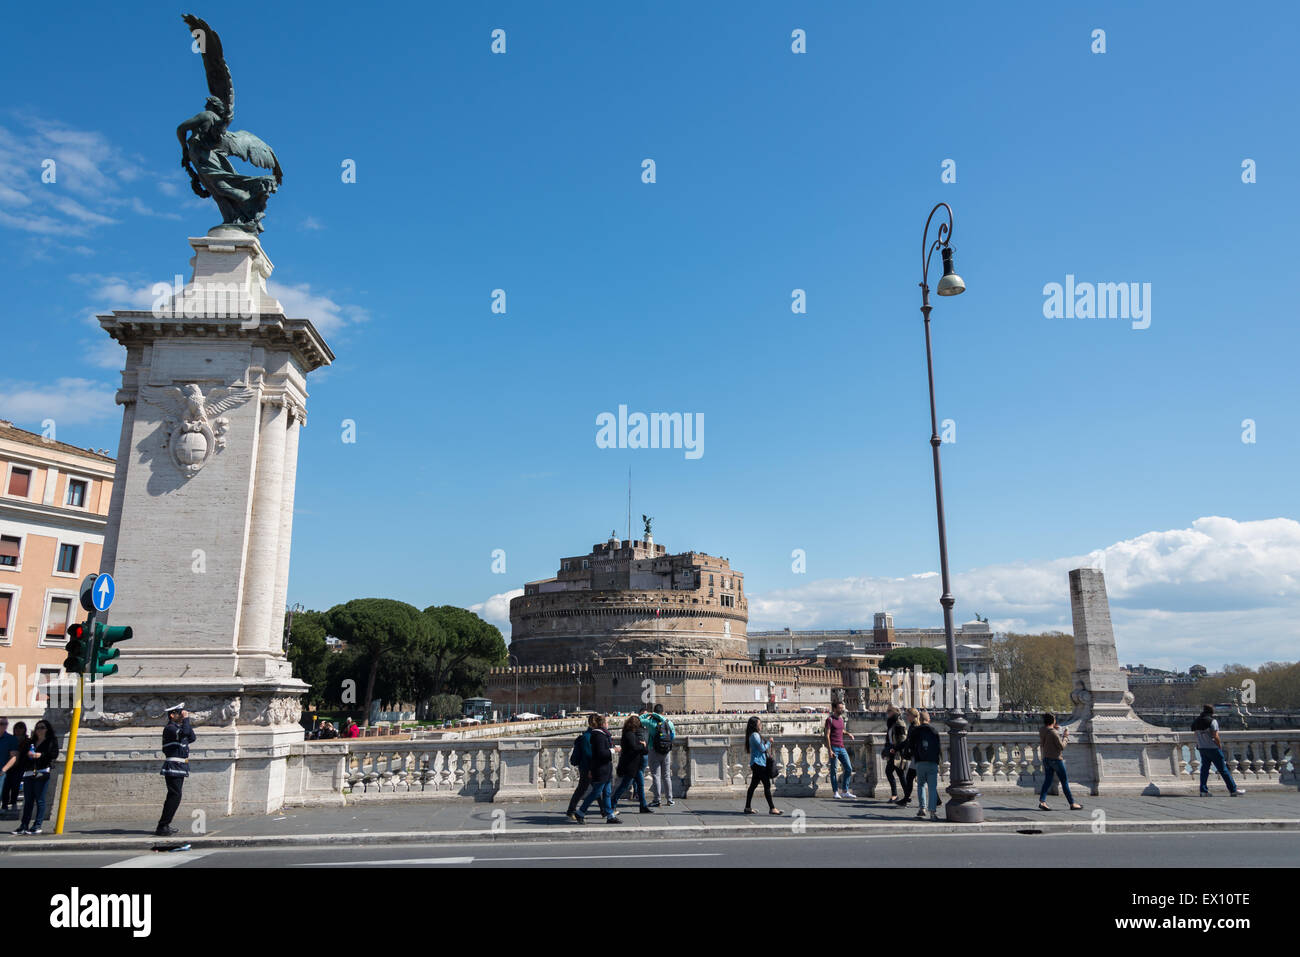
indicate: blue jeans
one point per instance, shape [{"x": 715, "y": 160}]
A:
[
  {"x": 1214, "y": 756},
  {"x": 600, "y": 791},
  {"x": 1054, "y": 766},
  {"x": 34, "y": 793},
  {"x": 841, "y": 756},
  {"x": 634, "y": 781},
  {"x": 927, "y": 784}
]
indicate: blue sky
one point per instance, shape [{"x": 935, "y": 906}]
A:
[{"x": 775, "y": 171}]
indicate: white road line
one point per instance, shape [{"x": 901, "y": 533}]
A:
[
  {"x": 162, "y": 859},
  {"x": 484, "y": 860},
  {"x": 396, "y": 860}
]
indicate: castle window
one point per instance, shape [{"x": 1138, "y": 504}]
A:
[
  {"x": 564, "y": 566},
  {"x": 586, "y": 564}
]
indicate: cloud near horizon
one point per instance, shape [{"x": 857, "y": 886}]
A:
[{"x": 1220, "y": 591}]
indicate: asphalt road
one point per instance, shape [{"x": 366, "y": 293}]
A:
[{"x": 1246, "y": 850}]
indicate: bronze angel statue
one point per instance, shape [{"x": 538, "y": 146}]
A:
[{"x": 210, "y": 144}]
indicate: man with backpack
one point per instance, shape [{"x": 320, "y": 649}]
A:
[
  {"x": 580, "y": 758},
  {"x": 925, "y": 749},
  {"x": 1211, "y": 748},
  {"x": 661, "y": 733}
]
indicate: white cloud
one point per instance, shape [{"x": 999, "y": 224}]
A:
[
  {"x": 94, "y": 181},
  {"x": 1219, "y": 591},
  {"x": 311, "y": 222},
  {"x": 66, "y": 401},
  {"x": 325, "y": 313},
  {"x": 496, "y": 610}
]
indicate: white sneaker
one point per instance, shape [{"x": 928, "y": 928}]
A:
[
  {"x": 1239, "y": 792},
  {"x": 837, "y": 795},
  {"x": 848, "y": 794}
]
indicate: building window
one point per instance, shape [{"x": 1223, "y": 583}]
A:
[
  {"x": 10, "y": 547},
  {"x": 67, "y": 558},
  {"x": 564, "y": 566},
  {"x": 710, "y": 579},
  {"x": 585, "y": 564},
  {"x": 6, "y": 605},
  {"x": 77, "y": 493},
  {"x": 20, "y": 482},
  {"x": 56, "y": 628}
]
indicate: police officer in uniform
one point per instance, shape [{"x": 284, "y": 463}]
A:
[{"x": 177, "y": 737}]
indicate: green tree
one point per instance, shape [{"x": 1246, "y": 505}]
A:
[
  {"x": 308, "y": 652},
  {"x": 931, "y": 660},
  {"x": 377, "y": 631},
  {"x": 1034, "y": 671},
  {"x": 460, "y": 649}
]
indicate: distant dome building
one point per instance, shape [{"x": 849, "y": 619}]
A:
[{"x": 632, "y": 599}]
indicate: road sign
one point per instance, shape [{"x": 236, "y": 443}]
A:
[
  {"x": 103, "y": 591},
  {"x": 87, "y": 585}
]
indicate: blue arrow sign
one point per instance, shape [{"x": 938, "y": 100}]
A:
[{"x": 102, "y": 592}]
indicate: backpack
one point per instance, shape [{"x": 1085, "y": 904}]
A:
[
  {"x": 663, "y": 737},
  {"x": 927, "y": 745},
  {"x": 581, "y": 753}
]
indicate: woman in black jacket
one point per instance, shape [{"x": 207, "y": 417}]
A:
[
  {"x": 602, "y": 761},
  {"x": 35, "y": 766},
  {"x": 633, "y": 750},
  {"x": 12, "y": 775}
]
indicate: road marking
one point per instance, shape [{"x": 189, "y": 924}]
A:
[
  {"x": 396, "y": 860},
  {"x": 162, "y": 859},
  {"x": 484, "y": 860}
]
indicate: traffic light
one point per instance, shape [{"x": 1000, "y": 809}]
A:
[
  {"x": 106, "y": 636},
  {"x": 78, "y": 649}
]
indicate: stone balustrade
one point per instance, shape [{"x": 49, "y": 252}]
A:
[{"x": 716, "y": 765}]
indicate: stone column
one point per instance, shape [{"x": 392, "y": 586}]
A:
[
  {"x": 707, "y": 757},
  {"x": 518, "y": 767},
  {"x": 1121, "y": 753},
  {"x": 198, "y": 542}
]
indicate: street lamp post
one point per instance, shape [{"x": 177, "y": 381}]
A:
[
  {"x": 516, "y": 661},
  {"x": 963, "y": 806}
]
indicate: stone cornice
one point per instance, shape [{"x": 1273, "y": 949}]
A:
[{"x": 138, "y": 327}]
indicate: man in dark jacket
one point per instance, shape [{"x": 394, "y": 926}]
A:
[
  {"x": 631, "y": 756},
  {"x": 581, "y": 759},
  {"x": 602, "y": 766},
  {"x": 177, "y": 737}
]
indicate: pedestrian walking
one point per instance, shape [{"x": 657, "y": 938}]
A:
[
  {"x": 895, "y": 766},
  {"x": 177, "y": 736},
  {"x": 1210, "y": 745},
  {"x": 835, "y": 734},
  {"x": 9, "y": 758},
  {"x": 602, "y": 764},
  {"x": 760, "y": 764},
  {"x": 35, "y": 763},
  {"x": 580, "y": 758},
  {"x": 1053, "y": 741},
  {"x": 661, "y": 734},
  {"x": 925, "y": 749},
  {"x": 631, "y": 757}
]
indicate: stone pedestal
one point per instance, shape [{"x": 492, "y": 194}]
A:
[
  {"x": 199, "y": 528},
  {"x": 518, "y": 768},
  {"x": 707, "y": 760},
  {"x": 1137, "y": 756}
]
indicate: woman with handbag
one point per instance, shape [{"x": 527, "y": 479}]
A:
[{"x": 760, "y": 764}]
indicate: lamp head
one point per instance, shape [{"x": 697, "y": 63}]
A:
[{"x": 951, "y": 284}]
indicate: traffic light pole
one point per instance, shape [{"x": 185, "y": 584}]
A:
[{"x": 65, "y": 786}]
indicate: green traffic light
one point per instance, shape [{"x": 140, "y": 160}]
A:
[{"x": 105, "y": 637}]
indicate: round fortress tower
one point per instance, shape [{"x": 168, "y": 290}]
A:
[{"x": 631, "y": 598}]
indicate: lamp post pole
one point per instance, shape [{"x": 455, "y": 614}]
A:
[
  {"x": 516, "y": 661},
  {"x": 962, "y": 806}
]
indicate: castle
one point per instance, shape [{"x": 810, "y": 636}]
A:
[{"x": 627, "y": 625}]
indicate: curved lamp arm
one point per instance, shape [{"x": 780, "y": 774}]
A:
[{"x": 945, "y": 237}]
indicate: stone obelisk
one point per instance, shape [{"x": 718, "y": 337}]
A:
[
  {"x": 214, "y": 398},
  {"x": 1139, "y": 757}
]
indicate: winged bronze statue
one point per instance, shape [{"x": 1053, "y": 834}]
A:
[{"x": 206, "y": 152}]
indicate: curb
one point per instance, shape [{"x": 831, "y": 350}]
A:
[{"x": 640, "y": 832}]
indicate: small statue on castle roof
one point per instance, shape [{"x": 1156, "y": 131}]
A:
[{"x": 646, "y": 520}]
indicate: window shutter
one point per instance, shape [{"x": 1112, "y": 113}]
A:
[{"x": 19, "y": 480}]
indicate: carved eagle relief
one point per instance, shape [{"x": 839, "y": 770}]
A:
[{"x": 195, "y": 424}]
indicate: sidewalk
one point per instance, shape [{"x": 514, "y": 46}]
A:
[{"x": 464, "y": 821}]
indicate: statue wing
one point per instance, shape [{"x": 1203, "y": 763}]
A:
[
  {"x": 219, "y": 401},
  {"x": 250, "y": 148},
  {"x": 168, "y": 398},
  {"x": 214, "y": 63}
]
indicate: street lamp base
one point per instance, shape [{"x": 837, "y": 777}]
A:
[{"x": 962, "y": 806}]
